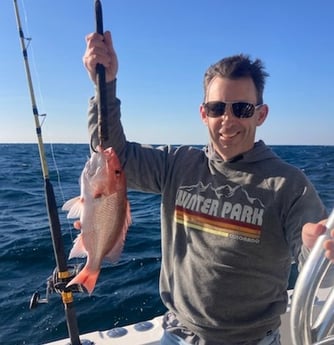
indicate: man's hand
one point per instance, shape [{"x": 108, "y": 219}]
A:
[
  {"x": 310, "y": 234},
  {"x": 100, "y": 50}
]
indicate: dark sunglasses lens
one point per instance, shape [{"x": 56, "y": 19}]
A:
[
  {"x": 215, "y": 109},
  {"x": 243, "y": 110}
]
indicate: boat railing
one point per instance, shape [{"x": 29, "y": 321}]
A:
[{"x": 311, "y": 324}]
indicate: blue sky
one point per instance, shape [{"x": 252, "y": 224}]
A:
[{"x": 164, "y": 48}]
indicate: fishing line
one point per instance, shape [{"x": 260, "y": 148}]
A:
[
  {"x": 28, "y": 38},
  {"x": 61, "y": 192},
  {"x": 43, "y": 116}
]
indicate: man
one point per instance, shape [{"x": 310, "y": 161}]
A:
[{"x": 232, "y": 215}]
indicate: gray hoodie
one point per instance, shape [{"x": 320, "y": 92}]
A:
[{"x": 229, "y": 230}]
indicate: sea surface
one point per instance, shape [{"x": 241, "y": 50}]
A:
[{"x": 126, "y": 292}]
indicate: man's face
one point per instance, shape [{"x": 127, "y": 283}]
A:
[{"x": 230, "y": 135}]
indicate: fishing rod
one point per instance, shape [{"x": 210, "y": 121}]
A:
[
  {"x": 62, "y": 274},
  {"x": 101, "y": 84}
]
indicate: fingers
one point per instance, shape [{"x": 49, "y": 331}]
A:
[
  {"x": 96, "y": 52},
  {"x": 100, "y": 50},
  {"x": 108, "y": 42},
  {"x": 311, "y": 232},
  {"x": 329, "y": 247},
  {"x": 112, "y": 64},
  {"x": 77, "y": 225}
]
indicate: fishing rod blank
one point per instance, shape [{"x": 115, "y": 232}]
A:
[{"x": 63, "y": 275}]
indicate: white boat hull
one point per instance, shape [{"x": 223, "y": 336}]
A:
[{"x": 135, "y": 335}]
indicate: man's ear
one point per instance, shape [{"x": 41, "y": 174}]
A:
[
  {"x": 204, "y": 116},
  {"x": 262, "y": 114}
]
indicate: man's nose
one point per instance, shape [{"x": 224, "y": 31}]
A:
[{"x": 228, "y": 113}]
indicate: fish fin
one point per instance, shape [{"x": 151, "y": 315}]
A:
[
  {"x": 116, "y": 251},
  {"x": 128, "y": 219},
  {"x": 78, "y": 250},
  {"x": 87, "y": 278},
  {"x": 74, "y": 207}
]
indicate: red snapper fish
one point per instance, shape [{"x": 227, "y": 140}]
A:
[{"x": 104, "y": 214}]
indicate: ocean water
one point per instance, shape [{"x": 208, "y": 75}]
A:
[{"x": 126, "y": 292}]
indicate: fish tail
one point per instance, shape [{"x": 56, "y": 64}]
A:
[{"x": 87, "y": 278}]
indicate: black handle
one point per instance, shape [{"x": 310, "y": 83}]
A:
[{"x": 101, "y": 84}]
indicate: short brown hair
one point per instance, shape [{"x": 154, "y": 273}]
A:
[{"x": 235, "y": 67}]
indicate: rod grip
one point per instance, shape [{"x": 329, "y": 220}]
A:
[{"x": 101, "y": 83}]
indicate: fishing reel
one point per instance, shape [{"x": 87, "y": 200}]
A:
[{"x": 55, "y": 284}]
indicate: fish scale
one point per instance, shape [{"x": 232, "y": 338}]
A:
[{"x": 104, "y": 214}]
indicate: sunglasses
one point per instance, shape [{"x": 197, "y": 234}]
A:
[{"x": 241, "y": 110}]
